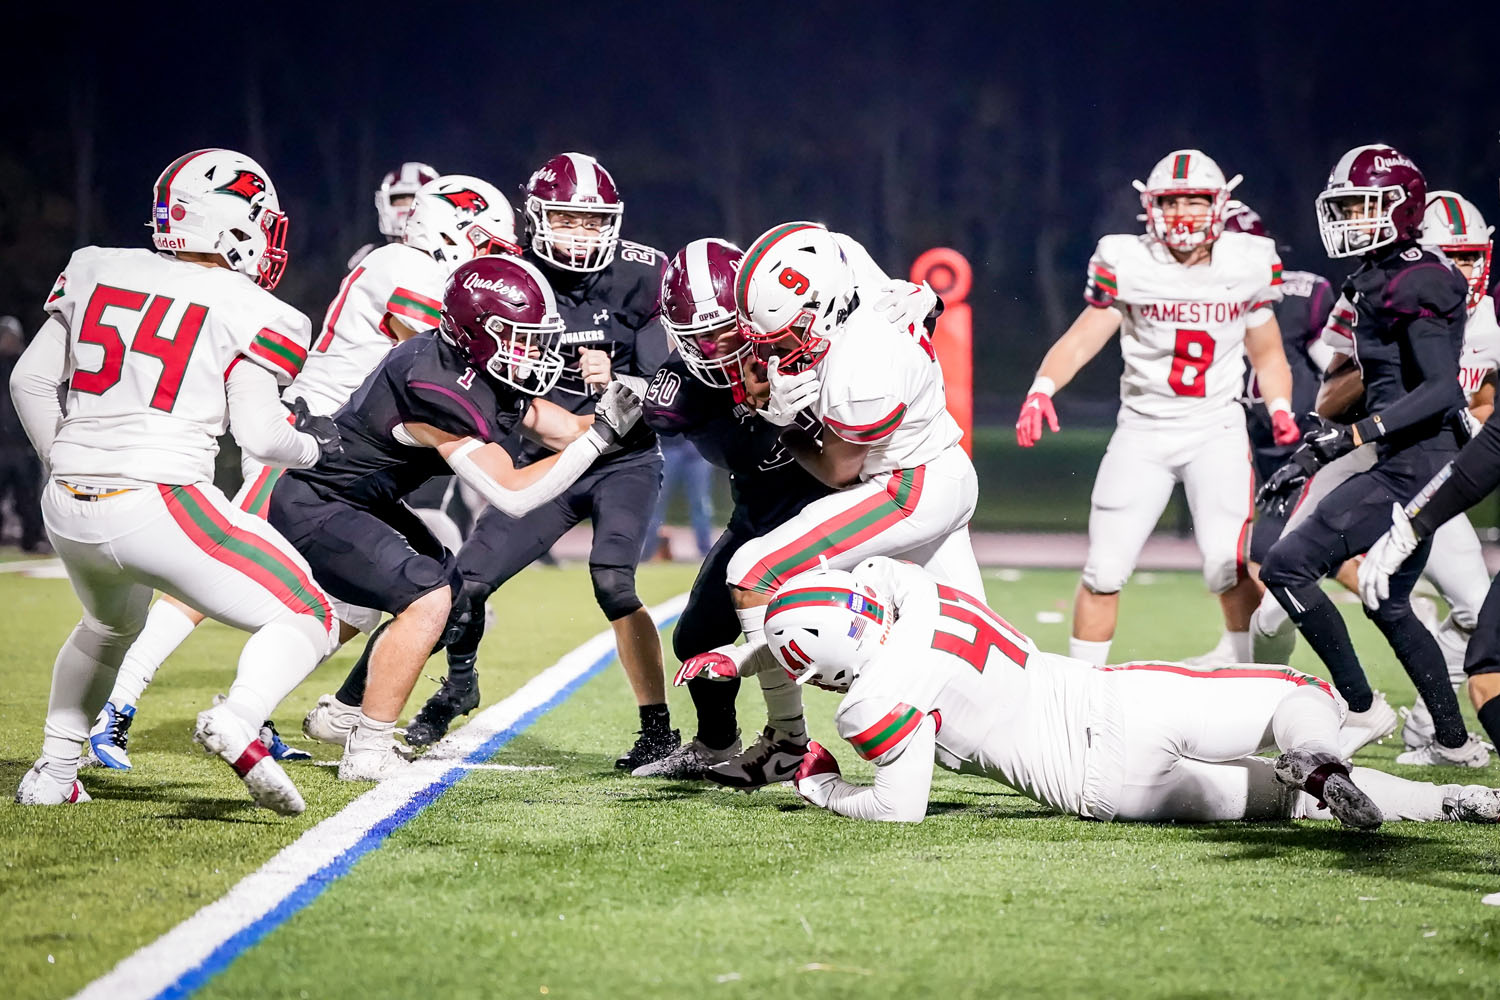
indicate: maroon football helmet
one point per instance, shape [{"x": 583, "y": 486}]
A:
[
  {"x": 697, "y": 310},
  {"x": 1241, "y": 218},
  {"x": 500, "y": 313},
  {"x": 1374, "y": 197},
  {"x": 575, "y": 184}
]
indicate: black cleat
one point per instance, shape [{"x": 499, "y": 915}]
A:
[
  {"x": 771, "y": 759},
  {"x": 649, "y": 747},
  {"x": 1326, "y": 778},
  {"x": 447, "y": 703}
]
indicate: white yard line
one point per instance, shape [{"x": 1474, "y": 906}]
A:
[{"x": 203, "y": 945}]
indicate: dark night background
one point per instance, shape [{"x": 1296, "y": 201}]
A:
[{"x": 1010, "y": 132}]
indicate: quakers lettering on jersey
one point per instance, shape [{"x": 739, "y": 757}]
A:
[
  {"x": 150, "y": 342},
  {"x": 392, "y": 280},
  {"x": 1183, "y": 330}
]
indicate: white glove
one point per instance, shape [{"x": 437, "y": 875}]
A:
[
  {"x": 616, "y": 413},
  {"x": 790, "y": 394},
  {"x": 904, "y": 304},
  {"x": 1385, "y": 557}
]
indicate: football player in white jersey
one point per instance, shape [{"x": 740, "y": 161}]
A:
[
  {"x": 1191, "y": 302},
  {"x": 932, "y": 673},
  {"x": 859, "y": 393},
  {"x": 157, "y": 352},
  {"x": 393, "y": 201},
  {"x": 394, "y": 293}
]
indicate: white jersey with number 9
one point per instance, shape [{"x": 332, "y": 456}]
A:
[{"x": 1183, "y": 330}]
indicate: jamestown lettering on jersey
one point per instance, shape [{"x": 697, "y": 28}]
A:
[{"x": 1188, "y": 312}]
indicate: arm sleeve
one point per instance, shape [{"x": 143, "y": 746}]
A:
[
  {"x": 571, "y": 463},
  {"x": 1460, "y": 484},
  {"x": 36, "y": 385},
  {"x": 260, "y": 423},
  {"x": 1431, "y": 340},
  {"x": 901, "y": 790}
]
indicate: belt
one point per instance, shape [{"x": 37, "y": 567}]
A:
[{"x": 85, "y": 495}]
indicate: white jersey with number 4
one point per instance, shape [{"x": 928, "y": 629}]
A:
[
  {"x": 1481, "y": 356},
  {"x": 883, "y": 387},
  {"x": 949, "y": 657},
  {"x": 150, "y": 342},
  {"x": 392, "y": 280},
  {"x": 1184, "y": 327}
]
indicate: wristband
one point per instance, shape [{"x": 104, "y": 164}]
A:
[
  {"x": 1043, "y": 385},
  {"x": 1279, "y": 405}
]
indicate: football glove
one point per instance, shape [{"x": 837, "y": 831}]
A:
[
  {"x": 817, "y": 772},
  {"x": 1038, "y": 407},
  {"x": 1277, "y": 494},
  {"x": 1284, "y": 429},
  {"x": 905, "y": 304},
  {"x": 1325, "y": 439},
  {"x": 616, "y": 413},
  {"x": 1385, "y": 557},
  {"x": 712, "y": 665},
  {"x": 321, "y": 429},
  {"x": 790, "y": 394}
]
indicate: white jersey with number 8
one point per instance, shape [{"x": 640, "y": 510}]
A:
[
  {"x": 1183, "y": 330},
  {"x": 151, "y": 340}
]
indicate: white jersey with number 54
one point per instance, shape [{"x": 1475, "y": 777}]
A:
[
  {"x": 1184, "y": 328},
  {"x": 151, "y": 340}
]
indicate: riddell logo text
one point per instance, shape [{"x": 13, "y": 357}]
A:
[
  {"x": 500, "y": 287},
  {"x": 171, "y": 242},
  {"x": 1190, "y": 312}
]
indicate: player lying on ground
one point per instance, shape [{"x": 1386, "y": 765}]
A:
[{"x": 931, "y": 673}]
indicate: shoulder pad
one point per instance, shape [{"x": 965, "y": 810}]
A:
[{"x": 1423, "y": 284}]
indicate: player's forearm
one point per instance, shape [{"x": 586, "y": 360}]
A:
[
  {"x": 1078, "y": 346},
  {"x": 261, "y": 425},
  {"x": 1268, "y": 358},
  {"x": 524, "y": 490},
  {"x": 36, "y": 385},
  {"x": 1462, "y": 483},
  {"x": 860, "y": 801}
]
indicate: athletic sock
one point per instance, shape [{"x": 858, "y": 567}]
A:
[
  {"x": 370, "y": 732},
  {"x": 714, "y": 703},
  {"x": 1419, "y": 653},
  {"x": 752, "y": 623},
  {"x": 1489, "y": 718},
  {"x": 352, "y": 691},
  {"x": 655, "y": 719},
  {"x": 783, "y": 704},
  {"x": 167, "y": 626},
  {"x": 1323, "y": 627},
  {"x": 1096, "y": 653},
  {"x": 277, "y": 658},
  {"x": 1239, "y": 646}
]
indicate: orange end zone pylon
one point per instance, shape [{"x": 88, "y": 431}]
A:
[{"x": 950, "y": 275}]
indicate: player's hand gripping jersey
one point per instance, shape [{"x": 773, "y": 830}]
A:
[
  {"x": 151, "y": 340},
  {"x": 393, "y": 280},
  {"x": 1183, "y": 330}
]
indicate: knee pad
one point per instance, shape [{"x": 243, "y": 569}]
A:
[
  {"x": 1220, "y": 574},
  {"x": 1102, "y": 578},
  {"x": 614, "y": 589}
]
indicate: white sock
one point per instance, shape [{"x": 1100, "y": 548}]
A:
[
  {"x": 166, "y": 628},
  {"x": 371, "y": 733},
  {"x": 1307, "y": 719},
  {"x": 753, "y": 623},
  {"x": 1096, "y": 653},
  {"x": 277, "y": 658},
  {"x": 1398, "y": 798},
  {"x": 1239, "y": 646},
  {"x": 783, "y": 704}
]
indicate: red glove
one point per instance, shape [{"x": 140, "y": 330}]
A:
[
  {"x": 1284, "y": 429},
  {"x": 1038, "y": 405},
  {"x": 817, "y": 760},
  {"x": 713, "y": 664}
]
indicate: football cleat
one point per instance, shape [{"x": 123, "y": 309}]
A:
[
  {"x": 221, "y": 732},
  {"x": 1473, "y": 804},
  {"x": 448, "y": 702},
  {"x": 1417, "y": 729},
  {"x": 111, "y": 733},
  {"x": 330, "y": 721},
  {"x": 38, "y": 788},
  {"x": 689, "y": 762},
  {"x": 1473, "y": 753},
  {"x": 1220, "y": 655},
  {"x": 767, "y": 761},
  {"x": 1326, "y": 778},
  {"x": 649, "y": 747},
  {"x": 373, "y": 760},
  {"x": 280, "y": 749},
  {"x": 1370, "y": 726}
]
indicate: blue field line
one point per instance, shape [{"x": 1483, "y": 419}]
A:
[{"x": 224, "y": 955}]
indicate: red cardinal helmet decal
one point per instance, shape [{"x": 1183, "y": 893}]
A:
[
  {"x": 246, "y": 184},
  {"x": 465, "y": 200}
]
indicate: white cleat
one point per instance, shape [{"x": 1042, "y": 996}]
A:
[
  {"x": 373, "y": 760},
  {"x": 238, "y": 744},
  {"x": 773, "y": 758},
  {"x": 330, "y": 721},
  {"x": 1473, "y": 804},
  {"x": 1219, "y": 656},
  {"x": 1417, "y": 729},
  {"x": 38, "y": 788},
  {"x": 1473, "y": 753},
  {"x": 1370, "y": 726},
  {"x": 689, "y": 762}
]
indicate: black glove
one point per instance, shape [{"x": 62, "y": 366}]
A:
[
  {"x": 1281, "y": 487},
  {"x": 1324, "y": 438},
  {"x": 323, "y": 430}
]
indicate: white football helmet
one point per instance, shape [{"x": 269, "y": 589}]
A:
[
  {"x": 1185, "y": 172},
  {"x": 456, "y": 218},
  {"x": 217, "y": 201},
  {"x": 824, "y": 625},
  {"x": 1453, "y": 225},
  {"x": 795, "y": 288},
  {"x": 401, "y": 182}
]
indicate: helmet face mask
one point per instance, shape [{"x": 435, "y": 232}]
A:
[
  {"x": 697, "y": 311},
  {"x": 1374, "y": 197},
  {"x": 573, "y": 210},
  {"x": 793, "y": 293},
  {"x": 222, "y": 203},
  {"x": 1185, "y": 198},
  {"x": 1455, "y": 226},
  {"x": 500, "y": 313}
]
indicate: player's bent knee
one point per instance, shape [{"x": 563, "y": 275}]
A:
[
  {"x": 1104, "y": 580},
  {"x": 614, "y": 589},
  {"x": 1220, "y": 575}
]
